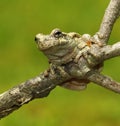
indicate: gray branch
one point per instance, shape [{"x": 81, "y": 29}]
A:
[
  {"x": 111, "y": 14},
  {"x": 37, "y": 87},
  {"x": 104, "y": 81},
  {"x": 110, "y": 51}
]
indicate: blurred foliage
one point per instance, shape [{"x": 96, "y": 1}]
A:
[{"x": 20, "y": 60}]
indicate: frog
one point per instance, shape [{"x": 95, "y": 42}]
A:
[{"x": 62, "y": 48}]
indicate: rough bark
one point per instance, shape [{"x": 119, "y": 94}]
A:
[
  {"x": 104, "y": 81},
  {"x": 37, "y": 87},
  {"x": 111, "y": 14}
]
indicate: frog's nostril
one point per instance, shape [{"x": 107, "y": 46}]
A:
[{"x": 36, "y": 38}]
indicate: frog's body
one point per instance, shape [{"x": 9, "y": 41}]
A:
[{"x": 62, "y": 48}]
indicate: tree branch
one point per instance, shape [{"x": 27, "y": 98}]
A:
[
  {"x": 37, "y": 87},
  {"x": 104, "y": 81},
  {"x": 110, "y": 51},
  {"x": 82, "y": 64},
  {"x": 111, "y": 14}
]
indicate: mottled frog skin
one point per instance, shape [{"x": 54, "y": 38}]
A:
[{"x": 62, "y": 48}]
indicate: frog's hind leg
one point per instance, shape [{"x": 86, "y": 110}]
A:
[{"x": 74, "y": 84}]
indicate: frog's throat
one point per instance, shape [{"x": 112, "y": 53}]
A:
[{"x": 67, "y": 54}]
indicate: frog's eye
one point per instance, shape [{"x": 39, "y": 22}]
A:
[{"x": 57, "y": 33}]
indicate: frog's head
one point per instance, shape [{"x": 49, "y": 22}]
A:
[{"x": 58, "y": 45}]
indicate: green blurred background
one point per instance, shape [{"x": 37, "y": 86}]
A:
[{"x": 20, "y": 60}]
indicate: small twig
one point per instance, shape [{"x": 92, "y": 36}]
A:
[
  {"x": 111, "y": 14},
  {"x": 104, "y": 81},
  {"x": 110, "y": 51}
]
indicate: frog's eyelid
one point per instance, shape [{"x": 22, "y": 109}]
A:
[
  {"x": 54, "y": 31},
  {"x": 57, "y": 34}
]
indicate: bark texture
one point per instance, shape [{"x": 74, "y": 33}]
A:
[
  {"x": 111, "y": 14},
  {"x": 37, "y": 87}
]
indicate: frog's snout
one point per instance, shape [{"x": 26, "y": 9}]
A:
[{"x": 37, "y": 38}]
